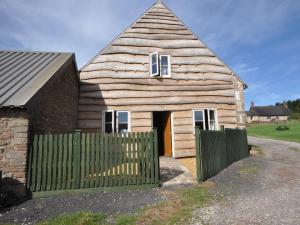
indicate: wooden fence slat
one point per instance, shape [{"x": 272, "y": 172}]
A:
[
  {"x": 134, "y": 158},
  {"x": 77, "y": 157},
  {"x": 118, "y": 159},
  {"x": 151, "y": 158},
  {"x": 156, "y": 159},
  {"x": 29, "y": 168},
  {"x": 93, "y": 159},
  {"x": 102, "y": 160},
  {"x": 129, "y": 159},
  {"x": 106, "y": 158},
  {"x": 115, "y": 163},
  {"x": 88, "y": 161},
  {"x": 97, "y": 160},
  {"x": 34, "y": 163},
  {"x": 65, "y": 161},
  {"x": 70, "y": 162},
  {"x": 39, "y": 163},
  {"x": 60, "y": 162},
  {"x": 83, "y": 160},
  {"x": 44, "y": 163},
  {"x": 124, "y": 154},
  {"x": 143, "y": 173}
]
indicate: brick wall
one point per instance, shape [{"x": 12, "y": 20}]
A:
[
  {"x": 13, "y": 148},
  {"x": 54, "y": 108}
]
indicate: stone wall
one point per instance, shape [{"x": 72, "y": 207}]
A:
[
  {"x": 240, "y": 103},
  {"x": 54, "y": 108},
  {"x": 13, "y": 149}
]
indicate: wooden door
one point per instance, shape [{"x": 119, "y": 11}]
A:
[{"x": 167, "y": 135}]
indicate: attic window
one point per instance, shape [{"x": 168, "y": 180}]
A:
[
  {"x": 154, "y": 64},
  {"x": 165, "y": 65},
  {"x": 160, "y": 65}
]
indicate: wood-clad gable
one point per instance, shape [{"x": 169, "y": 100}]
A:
[{"x": 118, "y": 78}]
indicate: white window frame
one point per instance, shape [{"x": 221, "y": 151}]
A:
[
  {"x": 117, "y": 120},
  {"x": 200, "y": 110},
  {"x": 169, "y": 66},
  {"x": 157, "y": 64},
  {"x": 204, "y": 122},
  {"x": 112, "y": 118}
]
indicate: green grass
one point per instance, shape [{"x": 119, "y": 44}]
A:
[
  {"x": 176, "y": 210},
  {"x": 269, "y": 131},
  {"x": 81, "y": 218}
]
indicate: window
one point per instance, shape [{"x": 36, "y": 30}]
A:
[
  {"x": 154, "y": 64},
  {"x": 122, "y": 122},
  {"x": 160, "y": 65},
  {"x": 108, "y": 122},
  {"x": 165, "y": 66},
  {"x": 205, "y": 119},
  {"x": 116, "y": 121}
]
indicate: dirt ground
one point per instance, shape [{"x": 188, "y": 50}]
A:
[
  {"x": 262, "y": 189},
  {"x": 190, "y": 164}
]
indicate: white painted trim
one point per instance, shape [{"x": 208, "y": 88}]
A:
[
  {"x": 157, "y": 64},
  {"x": 173, "y": 135},
  {"x": 169, "y": 66},
  {"x": 128, "y": 120},
  {"x": 216, "y": 118},
  {"x": 194, "y": 119}
]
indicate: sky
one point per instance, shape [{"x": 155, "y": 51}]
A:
[{"x": 258, "y": 39}]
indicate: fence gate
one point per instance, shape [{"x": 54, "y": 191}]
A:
[
  {"x": 87, "y": 160},
  {"x": 215, "y": 150}
]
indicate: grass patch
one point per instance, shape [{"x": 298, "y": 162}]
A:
[
  {"x": 269, "y": 131},
  {"x": 294, "y": 149},
  {"x": 81, "y": 218},
  {"x": 176, "y": 210},
  {"x": 74, "y": 192}
]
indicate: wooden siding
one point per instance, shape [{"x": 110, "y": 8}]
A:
[{"x": 118, "y": 78}]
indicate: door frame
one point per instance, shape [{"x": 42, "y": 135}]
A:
[{"x": 172, "y": 129}]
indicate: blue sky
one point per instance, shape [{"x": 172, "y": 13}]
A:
[{"x": 258, "y": 39}]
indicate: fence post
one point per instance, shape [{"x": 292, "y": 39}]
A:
[
  {"x": 77, "y": 151},
  {"x": 198, "y": 154},
  {"x": 156, "y": 157}
]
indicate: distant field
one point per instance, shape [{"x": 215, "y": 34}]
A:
[{"x": 269, "y": 131}]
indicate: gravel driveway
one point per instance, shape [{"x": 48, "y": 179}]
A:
[
  {"x": 40, "y": 209},
  {"x": 257, "y": 190}
]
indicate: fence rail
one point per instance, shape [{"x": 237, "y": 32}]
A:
[
  {"x": 215, "y": 150},
  {"x": 87, "y": 160}
]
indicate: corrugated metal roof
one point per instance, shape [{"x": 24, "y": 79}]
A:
[{"x": 23, "y": 73}]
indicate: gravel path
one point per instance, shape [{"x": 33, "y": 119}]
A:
[
  {"x": 257, "y": 190},
  {"x": 39, "y": 209}
]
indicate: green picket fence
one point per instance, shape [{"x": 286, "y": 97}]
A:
[
  {"x": 216, "y": 150},
  {"x": 88, "y": 160}
]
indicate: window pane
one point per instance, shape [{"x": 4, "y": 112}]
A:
[
  {"x": 154, "y": 58},
  {"x": 200, "y": 125},
  {"x": 212, "y": 114},
  {"x": 123, "y": 117},
  {"x": 108, "y": 128},
  {"x": 154, "y": 68},
  {"x": 108, "y": 117},
  {"x": 164, "y": 61},
  {"x": 198, "y": 115},
  {"x": 165, "y": 70},
  {"x": 123, "y": 128},
  {"x": 212, "y": 125}
]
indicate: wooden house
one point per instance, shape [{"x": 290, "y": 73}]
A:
[{"x": 158, "y": 73}]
